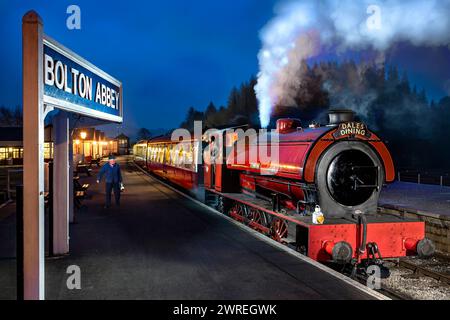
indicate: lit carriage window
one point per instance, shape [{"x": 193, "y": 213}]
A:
[
  {"x": 167, "y": 154},
  {"x": 185, "y": 156},
  {"x": 161, "y": 154},
  {"x": 158, "y": 153},
  {"x": 150, "y": 153},
  {"x": 191, "y": 157},
  {"x": 195, "y": 150},
  {"x": 181, "y": 158},
  {"x": 169, "y": 157}
]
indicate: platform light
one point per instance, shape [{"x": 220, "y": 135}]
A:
[
  {"x": 77, "y": 142},
  {"x": 83, "y": 135}
]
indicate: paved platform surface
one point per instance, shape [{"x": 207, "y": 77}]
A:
[
  {"x": 158, "y": 245},
  {"x": 418, "y": 197}
]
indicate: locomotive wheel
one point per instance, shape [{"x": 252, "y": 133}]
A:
[
  {"x": 278, "y": 230},
  {"x": 237, "y": 212},
  {"x": 257, "y": 220}
]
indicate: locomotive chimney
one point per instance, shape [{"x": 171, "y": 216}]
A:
[{"x": 339, "y": 116}]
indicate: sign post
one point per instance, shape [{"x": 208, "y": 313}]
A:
[
  {"x": 54, "y": 77},
  {"x": 33, "y": 162}
]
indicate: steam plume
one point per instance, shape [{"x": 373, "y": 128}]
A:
[{"x": 302, "y": 28}]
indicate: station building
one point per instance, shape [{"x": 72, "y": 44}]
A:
[
  {"x": 88, "y": 143},
  {"x": 123, "y": 144},
  {"x": 91, "y": 144},
  {"x": 11, "y": 145}
]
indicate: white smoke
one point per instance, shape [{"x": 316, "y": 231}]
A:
[{"x": 301, "y": 29}]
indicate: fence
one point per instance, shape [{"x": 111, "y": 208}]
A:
[
  {"x": 15, "y": 178},
  {"x": 424, "y": 177},
  {"x": 10, "y": 177}
]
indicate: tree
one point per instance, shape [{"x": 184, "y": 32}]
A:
[
  {"x": 10, "y": 118},
  {"x": 144, "y": 134},
  {"x": 233, "y": 101},
  {"x": 6, "y": 116},
  {"x": 210, "y": 115},
  {"x": 393, "y": 78},
  {"x": 192, "y": 116},
  {"x": 390, "y": 104}
]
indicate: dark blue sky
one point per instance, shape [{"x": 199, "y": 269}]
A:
[{"x": 170, "y": 54}]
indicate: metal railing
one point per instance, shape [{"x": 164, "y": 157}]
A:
[
  {"x": 10, "y": 176},
  {"x": 14, "y": 178},
  {"x": 424, "y": 177}
]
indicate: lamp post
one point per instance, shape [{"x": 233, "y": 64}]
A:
[{"x": 83, "y": 136}]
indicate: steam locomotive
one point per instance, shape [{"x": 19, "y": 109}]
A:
[{"x": 337, "y": 170}]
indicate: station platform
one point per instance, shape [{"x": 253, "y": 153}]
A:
[
  {"x": 420, "y": 198},
  {"x": 159, "y": 245}
]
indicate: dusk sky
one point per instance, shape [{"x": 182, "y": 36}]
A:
[{"x": 173, "y": 54}]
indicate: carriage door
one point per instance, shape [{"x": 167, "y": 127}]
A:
[{"x": 166, "y": 156}]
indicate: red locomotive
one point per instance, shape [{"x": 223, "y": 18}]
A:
[{"x": 337, "y": 170}]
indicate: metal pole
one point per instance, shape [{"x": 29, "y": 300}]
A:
[
  {"x": 19, "y": 242},
  {"x": 61, "y": 184},
  {"x": 418, "y": 178},
  {"x": 8, "y": 186},
  {"x": 50, "y": 210},
  {"x": 442, "y": 181}
]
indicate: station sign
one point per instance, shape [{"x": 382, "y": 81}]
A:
[{"x": 73, "y": 84}]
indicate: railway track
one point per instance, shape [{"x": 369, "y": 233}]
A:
[
  {"x": 418, "y": 279},
  {"x": 423, "y": 271}
]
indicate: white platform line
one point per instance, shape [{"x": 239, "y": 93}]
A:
[{"x": 274, "y": 243}]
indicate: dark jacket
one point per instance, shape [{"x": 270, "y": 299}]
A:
[{"x": 112, "y": 174}]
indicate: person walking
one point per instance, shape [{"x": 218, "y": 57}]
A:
[{"x": 113, "y": 180}]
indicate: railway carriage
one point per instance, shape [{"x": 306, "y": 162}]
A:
[
  {"x": 140, "y": 153},
  {"x": 174, "y": 161}
]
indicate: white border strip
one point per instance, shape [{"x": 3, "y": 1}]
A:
[
  {"x": 77, "y": 108},
  {"x": 278, "y": 245}
]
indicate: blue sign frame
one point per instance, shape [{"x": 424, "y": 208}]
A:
[{"x": 73, "y": 84}]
